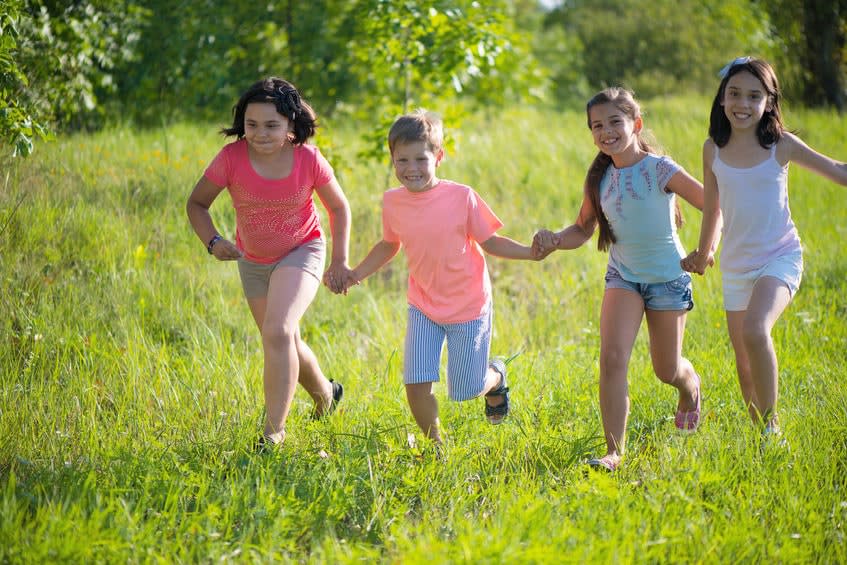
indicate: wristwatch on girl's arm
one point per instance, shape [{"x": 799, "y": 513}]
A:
[{"x": 212, "y": 242}]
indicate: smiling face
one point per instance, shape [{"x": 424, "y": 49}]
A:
[
  {"x": 265, "y": 129},
  {"x": 745, "y": 100},
  {"x": 615, "y": 133},
  {"x": 414, "y": 165}
]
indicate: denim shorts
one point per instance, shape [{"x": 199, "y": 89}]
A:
[
  {"x": 670, "y": 295},
  {"x": 256, "y": 277}
]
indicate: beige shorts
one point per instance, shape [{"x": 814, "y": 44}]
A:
[{"x": 256, "y": 277}]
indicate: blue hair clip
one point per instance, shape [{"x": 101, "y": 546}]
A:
[{"x": 737, "y": 61}]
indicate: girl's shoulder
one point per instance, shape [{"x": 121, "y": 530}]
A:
[
  {"x": 306, "y": 152},
  {"x": 786, "y": 147}
]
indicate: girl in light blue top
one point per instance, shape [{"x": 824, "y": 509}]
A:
[
  {"x": 630, "y": 192},
  {"x": 745, "y": 173}
]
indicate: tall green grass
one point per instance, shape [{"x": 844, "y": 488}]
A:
[{"x": 131, "y": 378}]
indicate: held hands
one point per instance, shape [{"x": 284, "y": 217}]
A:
[
  {"x": 339, "y": 277},
  {"x": 544, "y": 243},
  {"x": 697, "y": 262}
]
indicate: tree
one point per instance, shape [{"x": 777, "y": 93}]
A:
[
  {"x": 56, "y": 58},
  {"x": 658, "y": 47},
  {"x": 824, "y": 21},
  {"x": 18, "y": 126},
  {"x": 811, "y": 57},
  {"x": 411, "y": 53}
]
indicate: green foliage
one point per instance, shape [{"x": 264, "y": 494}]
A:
[
  {"x": 809, "y": 38},
  {"x": 660, "y": 47},
  {"x": 407, "y": 54},
  {"x": 17, "y": 126},
  {"x": 365, "y": 58},
  {"x": 56, "y": 59}
]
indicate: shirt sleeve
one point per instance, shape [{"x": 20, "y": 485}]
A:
[
  {"x": 388, "y": 233},
  {"x": 219, "y": 169},
  {"x": 322, "y": 170},
  {"x": 482, "y": 222},
  {"x": 665, "y": 169}
]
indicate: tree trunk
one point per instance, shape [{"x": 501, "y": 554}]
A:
[{"x": 825, "y": 38}]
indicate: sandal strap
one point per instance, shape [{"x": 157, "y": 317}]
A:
[
  {"x": 499, "y": 410},
  {"x": 501, "y": 390}
]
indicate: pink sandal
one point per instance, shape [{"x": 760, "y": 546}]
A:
[
  {"x": 690, "y": 420},
  {"x": 606, "y": 463}
]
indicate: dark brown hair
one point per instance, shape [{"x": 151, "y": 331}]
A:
[
  {"x": 770, "y": 128},
  {"x": 284, "y": 96}
]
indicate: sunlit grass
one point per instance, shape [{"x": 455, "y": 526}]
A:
[{"x": 131, "y": 377}]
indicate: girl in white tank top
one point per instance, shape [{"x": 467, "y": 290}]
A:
[{"x": 746, "y": 180}]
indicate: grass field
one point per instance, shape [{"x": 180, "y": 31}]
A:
[{"x": 131, "y": 378}]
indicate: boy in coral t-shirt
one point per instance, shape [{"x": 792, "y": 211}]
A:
[{"x": 444, "y": 227}]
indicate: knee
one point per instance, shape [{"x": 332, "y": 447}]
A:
[
  {"x": 756, "y": 336},
  {"x": 279, "y": 335},
  {"x": 613, "y": 362}
]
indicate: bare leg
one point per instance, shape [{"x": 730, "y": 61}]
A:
[
  {"x": 312, "y": 378},
  {"x": 425, "y": 409},
  {"x": 735, "y": 326},
  {"x": 620, "y": 319},
  {"x": 769, "y": 299},
  {"x": 278, "y": 317},
  {"x": 667, "y": 329}
]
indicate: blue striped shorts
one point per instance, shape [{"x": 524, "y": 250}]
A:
[{"x": 468, "y": 346}]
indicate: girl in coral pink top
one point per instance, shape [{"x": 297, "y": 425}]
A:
[
  {"x": 444, "y": 227},
  {"x": 280, "y": 246}
]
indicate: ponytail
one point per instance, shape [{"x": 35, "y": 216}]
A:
[{"x": 592, "y": 191}]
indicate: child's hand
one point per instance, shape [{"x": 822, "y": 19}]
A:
[
  {"x": 543, "y": 243},
  {"x": 339, "y": 277},
  {"x": 225, "y": 250},
  {"x": 697, "y": 262}
]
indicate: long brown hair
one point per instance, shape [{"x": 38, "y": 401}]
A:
[
  {"x": 770, "y": 128},
  {"x": 624, "y": 101}
]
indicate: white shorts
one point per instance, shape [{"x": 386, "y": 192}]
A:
[
  {"x": 738, "y": 287},
  {"x": 468, "y": 346}
]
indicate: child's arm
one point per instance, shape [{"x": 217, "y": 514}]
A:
[
  {"x": 808, "y": 158},
  {"x": 690, "y": 190},
  {"x": 687, "y": 187},
  {"x": 698, "y": 260},
  {"x": 338, "y": 276},
  {"x": 571, "y": 237},
  {"x": 379, "y": 255},
  {"x": 197, "y": 208},
  {"x": 506, "y": 248}
]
